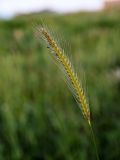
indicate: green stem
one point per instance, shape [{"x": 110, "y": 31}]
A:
[{"x": 94, "y": 141}]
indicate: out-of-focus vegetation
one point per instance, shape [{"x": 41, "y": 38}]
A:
[{"x": 39, "y": 118}]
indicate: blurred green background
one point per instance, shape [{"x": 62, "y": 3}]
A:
[{"x": 39, "y": 118}]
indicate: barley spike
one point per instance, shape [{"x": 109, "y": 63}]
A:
[{"x": 80, "y": 96}]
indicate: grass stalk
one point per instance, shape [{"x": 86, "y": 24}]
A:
[
  {"x": 94, "y": 141},
  {"x": 73, "y": 80}
]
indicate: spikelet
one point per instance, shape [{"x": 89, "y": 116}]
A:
[{"x": 71, "y": 75}]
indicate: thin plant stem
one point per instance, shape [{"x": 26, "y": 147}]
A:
[{"x": 94, "y": 141}]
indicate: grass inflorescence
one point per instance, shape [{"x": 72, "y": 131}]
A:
[{"x": 72, "y": 76}]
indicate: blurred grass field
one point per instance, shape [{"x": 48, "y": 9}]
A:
[{"x": 39, "y": 118}]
